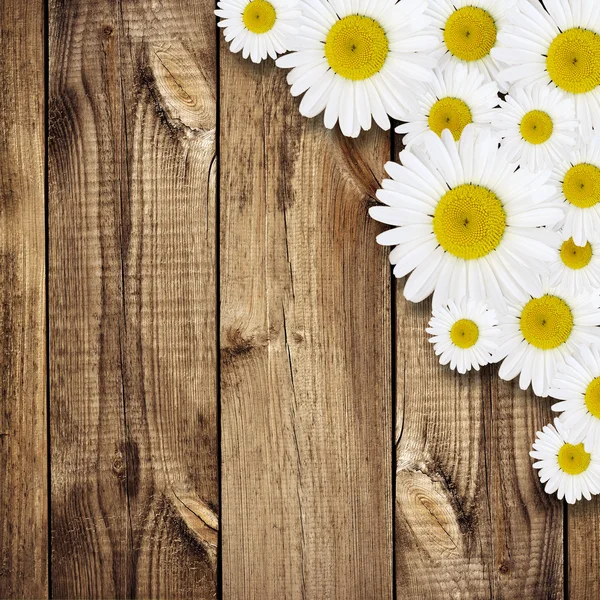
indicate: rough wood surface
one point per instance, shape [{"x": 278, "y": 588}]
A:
[
  {"x": 132, "y": 292},
  {"x": 23, "y": 465},
  {"x": 472, "y": 520},
  {"x": 305, "y": 351},
  {"x": 583, "y": 536}
]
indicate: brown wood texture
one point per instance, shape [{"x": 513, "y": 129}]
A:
[
  {"x": 132, "y": 298},
  {"x": 583, "y": 535},
  {"x": 305, "y": 351},
  {"x": 23, "y": 465}
]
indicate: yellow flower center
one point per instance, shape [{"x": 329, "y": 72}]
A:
[
  {"x": 573, "y": 60},
  {"x": 356, "y": 47},
  {"x": 470, "y": 33},
  {"x": 469, "y": 221},
  {"x": 546, "y": 322},
  {"x": 464, "y": 333},
  {"x": 573, "y": 459},
  {"x": 575, "y": 257},
  {"x": 259, "y": 16},
  {"x": 592, "y": 397},
  {"x": 581, "y": 185},
  {"x": 449, "y": 113},
  {"x": 536, "y": 127}
]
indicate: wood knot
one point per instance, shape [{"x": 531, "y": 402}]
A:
[{"x": 108, "y": 31}]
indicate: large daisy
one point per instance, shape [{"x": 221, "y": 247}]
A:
[
  {"x": 537, "y": 125},
  {"x": 467, "y": 31},
  {"x": 259, "y": 27},
  {"x": 360, "y": 60},
  {"x": 541, "y": 331},
  {"x": 565, "y": 466},
  {"x": 464, "y": 334},
  {"x": 577, "y": 385},
  {"x": 560, "y": 48},
  {"x": 577, "y": 183},
  {"x": 457, "y": 96},
  {"x": 465, "y": 223},
  {"x": 576, "y": 269}
]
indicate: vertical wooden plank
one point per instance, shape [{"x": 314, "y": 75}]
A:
[
  {"x": 23, "y": 456},
  {"x": 583, "y": 535},
  {"x": 305, "y": 350},
  {"x": 133, "y": 299},
  {"x": 472, "y": 520}
]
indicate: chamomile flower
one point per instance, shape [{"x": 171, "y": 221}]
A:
[
  {"x": 467, "y": 31},
  {"x": 560, "y": 48},
  {"x": 564, "y": 466},
  {"x": 577, "y": 385},
  {"x": 457, "y": 96},
  {"x": 258, "y": 27},
  {"x": 576, "y": 269},
  {"x": 359, "y": 60},
  {"x": 464, "y": 334},
  {"x": 537, "y": 126},
  {"x": 577, "y": 182},
  {"x": 465, "y": 223},
  {"x": 541, "y": 331}
]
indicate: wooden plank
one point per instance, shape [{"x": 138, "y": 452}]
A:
[
  {"x": 583, "y": 535},
  {"x": 23, "y": 456},
  {"x": 305, "y": 350},
  {"x": 472, "y": 520},
  {"x": 132, "y": 294}
]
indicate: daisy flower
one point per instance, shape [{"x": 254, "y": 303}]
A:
[
  {"x": 467, "y": 31},
  {"x": 457, "y": 96},
  {"x": 560, "y": 48},
  {"x": 258, "y": 27},
  {"x": 537, "y": 126},
  {"x": 465, "y": 223},
  {"x": 464, "y": 334},
  {"x": 577, "y": 385},
  {"x": 577, "y": 182},
  {"x": 576, "y": 269},
  {"x": 565, "y": 467},
  {"x": 359, "y": 60},
  {"x": 541, "y": 331}
]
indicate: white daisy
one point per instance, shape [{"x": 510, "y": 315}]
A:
[
  {"x": 576, "y": 269},
  {"x": 541, "y": 331},
  {"x": 560, "y": 47},
  {"x": 259, "y": 27},
  {"x": 565, "y": 467},
  {"x": 467, "y": 30},
  {"x": 465, "y": 222},
  {"x": 577, "y": 384},
  {"x": 457, "y": 96},
  {"x": 577, "y": 183},
  {"x": 360, "y": 59},
  {"x": 464, "y": 334},
  {"x": 537, "y": 125}
]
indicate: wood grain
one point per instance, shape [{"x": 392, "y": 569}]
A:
[
  {"x": 305, "y": 351},
  {"x": 583, "y": 536},
  {"x": 472, "y": 520},
  {"x": 23, "y": 456},
  {"x": 132, "y": 291}
]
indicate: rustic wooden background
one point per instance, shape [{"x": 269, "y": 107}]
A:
[{"x": 210, "y": 385}]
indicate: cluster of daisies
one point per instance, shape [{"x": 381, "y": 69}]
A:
[{"x": 495, "y": 202}]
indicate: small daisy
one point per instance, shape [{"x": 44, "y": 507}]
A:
[
  {"x": 465, "y": 222},
  {"x": 456, "y": 97},
  {"x": 560, "y": 47},
  {"x": 259, "y": 27},
  {"x": 576, "y": 269},
  {"x": 537, "y": 126},
  {"x": 577, "y": 183},
  {"x": 359, "y": 60},
  {"x": 541, "y": 331},
  {"x": 577, "y": 384},
  {"x": 565, "y": 467},
  {"x": 467, "y": 31},
  {"x": 464, "y": 334}
]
